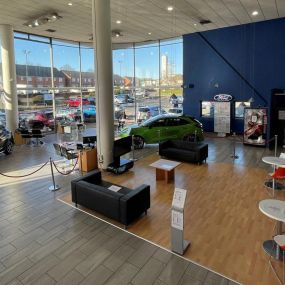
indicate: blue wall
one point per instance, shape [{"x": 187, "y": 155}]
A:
[{"x": 257, "y": 51}]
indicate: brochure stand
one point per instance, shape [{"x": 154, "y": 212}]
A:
[{"x": 178, "y": 244}]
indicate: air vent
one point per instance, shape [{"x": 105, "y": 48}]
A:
[
  {"x": 205, "y": 22},
  {"x": 50, "y": 30}
]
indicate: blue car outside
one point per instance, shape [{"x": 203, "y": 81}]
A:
[{"x": 89, "y": 111}]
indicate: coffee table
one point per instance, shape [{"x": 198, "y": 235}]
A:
[{"x": 165, "y": 169}]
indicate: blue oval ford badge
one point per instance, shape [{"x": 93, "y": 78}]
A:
[{"x": 223, "y": 97}]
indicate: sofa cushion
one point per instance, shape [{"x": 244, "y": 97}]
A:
[
  {"x": 187, "y": 145},
  {"x": 106, "y": 185},
  {"x": 98, "y": 198}
]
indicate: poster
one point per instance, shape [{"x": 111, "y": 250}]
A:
[
  {"x": 177, "y": 220},
  {"x": 179, "y": 198},
  {"x": 222, "y": 117},
  {"x": 255, "y": 126}
]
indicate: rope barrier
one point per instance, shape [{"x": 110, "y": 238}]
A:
[
  {"x": 67, "y": 173},
  {"x": 21, "y": 176}
]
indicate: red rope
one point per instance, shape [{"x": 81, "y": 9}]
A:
[
  {"x": 67, "y": 173},
  {"x": 21, "y": 176}
]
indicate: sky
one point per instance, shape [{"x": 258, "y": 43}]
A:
[{"x": 147, "y": 58}]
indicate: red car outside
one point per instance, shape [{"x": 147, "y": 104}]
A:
[
  {"x": 41, "y": 119},
  {"x": 77, "y": 102}
]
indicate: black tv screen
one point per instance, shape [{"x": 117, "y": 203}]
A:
[
  {"x": 122, "y": 146},
  {"x": 90, "y": 139}
]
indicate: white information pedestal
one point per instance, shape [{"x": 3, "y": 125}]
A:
[{"x": 178, "y": 244}]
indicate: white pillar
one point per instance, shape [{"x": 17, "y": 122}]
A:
[
  {"x": 9, "y": 76},
  {"x": 104, "y": 81}
]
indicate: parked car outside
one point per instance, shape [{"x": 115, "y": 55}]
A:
[
  {"x": 77, "y": 102},
  {"x": 165, "y": 127},
  {"x": 6, "y": 140},
  {"x": 144, "y": 113},
  {"x": 120, "y": 99},
  {"x": 123, "y": 99},
  {"x": 89, "y": 111},
  {"x": 178, "y": 111}
]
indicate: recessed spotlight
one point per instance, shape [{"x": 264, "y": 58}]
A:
[
  {"x": 117, "y": 35},
  {"x": 254, "y": 13},
  {"x": 149, "y": 33},
  {"x": 69, "y": 4},
  {"x": 170, "y": 8},
  {"x": 118, "y": 22},
  {"x": 195, "y": 24},
  {"x": 30, "y": 25}
]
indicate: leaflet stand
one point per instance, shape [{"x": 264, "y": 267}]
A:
[{"x": 178, "y": 244}]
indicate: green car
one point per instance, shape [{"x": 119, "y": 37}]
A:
[{"x": 164, "y": 127}]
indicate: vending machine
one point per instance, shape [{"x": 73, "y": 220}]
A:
[{"x": 255, "y": 126}]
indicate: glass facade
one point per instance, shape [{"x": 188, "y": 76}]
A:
[{"x": 55, "y": 80}]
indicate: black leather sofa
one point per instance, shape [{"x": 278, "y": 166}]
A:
[
  {"x": 124, "y": 206},
  {"x": 195, "y": 152}
]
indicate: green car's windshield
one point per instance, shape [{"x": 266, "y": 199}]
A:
[{"x": 149, "y": 121}]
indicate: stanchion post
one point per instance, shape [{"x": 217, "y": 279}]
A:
[
  {"x": 276, "y": 142},
  {"x": 53, "y": 187},
  {"x": 234, "y": 156},
  {"x": 133, "y": 150},
  {"x": 158, "y": 132}
]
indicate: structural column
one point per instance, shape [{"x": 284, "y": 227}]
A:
[
  {"x": 104, "y": 81},
  {"x": 9, "y": 76}
]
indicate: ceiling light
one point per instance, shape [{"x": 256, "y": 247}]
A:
[
  {"x": 116, "y": 33},
  {"x": 149, "y": 33},
  {"x": 118, "y": 22},
  {"x": 170, "y": 8},
  {"x": 41, "y": 20},
  {"x": 254, "y": 13},
  {"x": 69, "y": 4},
  {"x": 195, "y": 24}
]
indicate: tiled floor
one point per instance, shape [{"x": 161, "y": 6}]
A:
[{"x": 43, "y": 241}]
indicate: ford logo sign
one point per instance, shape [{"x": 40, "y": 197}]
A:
[{"x": 223, "y": 97}]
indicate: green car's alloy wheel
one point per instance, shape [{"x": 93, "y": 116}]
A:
[{"x": 138, "y": 142}]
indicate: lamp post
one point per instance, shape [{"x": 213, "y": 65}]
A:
[
  {"x": 120, "y": 62},
  {"x": 26, "y": 53}
]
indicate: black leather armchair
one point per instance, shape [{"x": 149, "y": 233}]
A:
[{"x": 124, "y": 206}]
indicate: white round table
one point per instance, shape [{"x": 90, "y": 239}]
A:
[
  {"x": 274, "y": 209},
  {"x": 275, "y": 161}
]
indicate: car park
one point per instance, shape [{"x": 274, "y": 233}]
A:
[
  {"x": 165, "y": 127},
  {"x": 6, "y": 140},
  {"x": 146, "y": 112}
]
